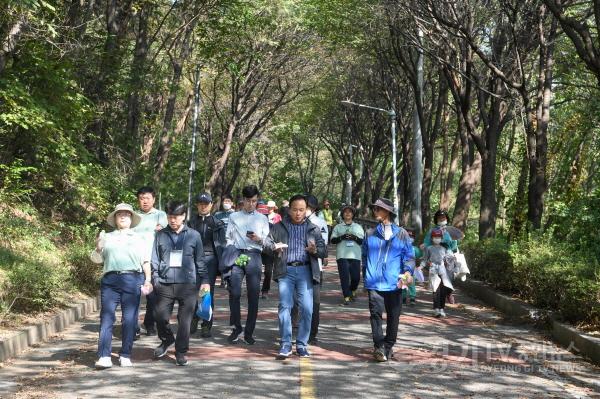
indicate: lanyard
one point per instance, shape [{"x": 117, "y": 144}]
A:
[{"x": 180, "y": 239}]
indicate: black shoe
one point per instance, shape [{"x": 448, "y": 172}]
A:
[
  {"x": 313, "y": 341},
  {"x": 412, "y": 302},
  {"x": 180, "y": 359},
  {"x": 194, "y": 325},
  {"x": 150, "y": 331},
  {"x": 137, "y": 335},
  {"x": 379, "y": 355},
  {"x": 235, "y": 335},
  {"x": 162, "y": 349},
  {"x": 389, "y": 353},
  {"x": 205, "y": 332},
  {"x": 249, "y": 340},
  {"x": 264, "y": 295}
]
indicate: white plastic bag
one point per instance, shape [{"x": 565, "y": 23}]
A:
[{"x": 462, "y": 269}]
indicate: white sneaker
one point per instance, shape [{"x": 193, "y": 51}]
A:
[
  {"x": 436, "y": 312},
  {"x": 104, "y": 363},
  {"x": 125, "y": 362},
  {"x": 442, "y": 313}
]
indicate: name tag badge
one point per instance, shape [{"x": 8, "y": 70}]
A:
[
  {"x": 349, "y": 243},
  {"x": 175, "y": 258}
]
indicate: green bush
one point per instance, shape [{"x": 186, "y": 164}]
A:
[
  {"x": 40, "y": 265},
  {"x": 490, "y": 261},
  {"x": 85, "y": 275},
  {"x": 549, "y": 275}
]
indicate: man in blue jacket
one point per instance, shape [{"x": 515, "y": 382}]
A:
[{"x": 386, "y": 250}]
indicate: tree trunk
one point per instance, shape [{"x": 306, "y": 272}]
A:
[
  {"x": 518, "y": 215},
  {"x": 488, "y": 206},
  {"x": 166, "y": 140},
  {"x": 469, "y": 179},
  {"x": 449, "y": 184},
  {"x": 9, "y": 43},
  {"x": 137, "y": 80},
  {"x": 538, "y": 142}
]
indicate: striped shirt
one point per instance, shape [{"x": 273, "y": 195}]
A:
[{"x": 297, "y": 242}]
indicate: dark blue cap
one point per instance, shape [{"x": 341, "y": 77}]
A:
[{"x": 204, "y": 197}]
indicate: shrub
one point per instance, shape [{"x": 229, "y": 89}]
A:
[{"x": 550, "y": 275}]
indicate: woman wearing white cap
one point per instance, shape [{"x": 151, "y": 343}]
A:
[{"x": 125, "y": 266}]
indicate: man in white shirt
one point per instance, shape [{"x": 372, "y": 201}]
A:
[
  {"x": 153, "y": 220},
  {"x": 246, "y": 231}
]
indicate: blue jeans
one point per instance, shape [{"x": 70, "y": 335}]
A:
[
  {"x": 115, "y": 289},
  {"x": 297, "y": 282}
]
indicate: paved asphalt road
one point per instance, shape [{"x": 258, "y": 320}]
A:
[{"x": 474, "y": 352}]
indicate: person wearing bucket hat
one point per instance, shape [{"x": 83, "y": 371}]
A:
[
  {"x": 387, "y": 254},
  {"x": 212, "y": 233},
  {"x": 348, "y": 237},
  {"x": 126, "y": 268}
]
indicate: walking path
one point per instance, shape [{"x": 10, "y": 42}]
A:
[{"x": 474, "y": 352}]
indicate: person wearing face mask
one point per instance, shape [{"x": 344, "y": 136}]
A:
[
  {"x": 440, "y": 219},
  {"x": 387, "y": 256},
  {"x": 440, "y": 260},
  {"x": 227, "y": 210},
  {"x": 212, "y": 233}
]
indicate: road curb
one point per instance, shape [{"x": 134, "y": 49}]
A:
[
  {"x": 566, "y": 335},
  {"x": 31, "y": 335}
]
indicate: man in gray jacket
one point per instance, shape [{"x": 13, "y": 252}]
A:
[
  {"x": 297, "y": 245},
  {"x": 177, "y": 268}
]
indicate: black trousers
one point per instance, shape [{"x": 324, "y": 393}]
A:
[
  {"x": 316, "y": 313},
  {"x": 213, "y": 267},
  {"x": 391, "y": 303},
  {"x": 149, "y": 317},
  {"x": 439, "y": 296},
  {"x": 268, "y": 262},
  {"x": 349, "y": 270},
  {"x": 186, "y": 296},
  {"x": 252, "y": 272}
]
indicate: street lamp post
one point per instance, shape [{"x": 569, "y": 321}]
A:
[{"x": 392, "y": 114}]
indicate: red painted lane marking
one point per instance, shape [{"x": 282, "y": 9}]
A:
[{"x": 340, "y": 352}]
